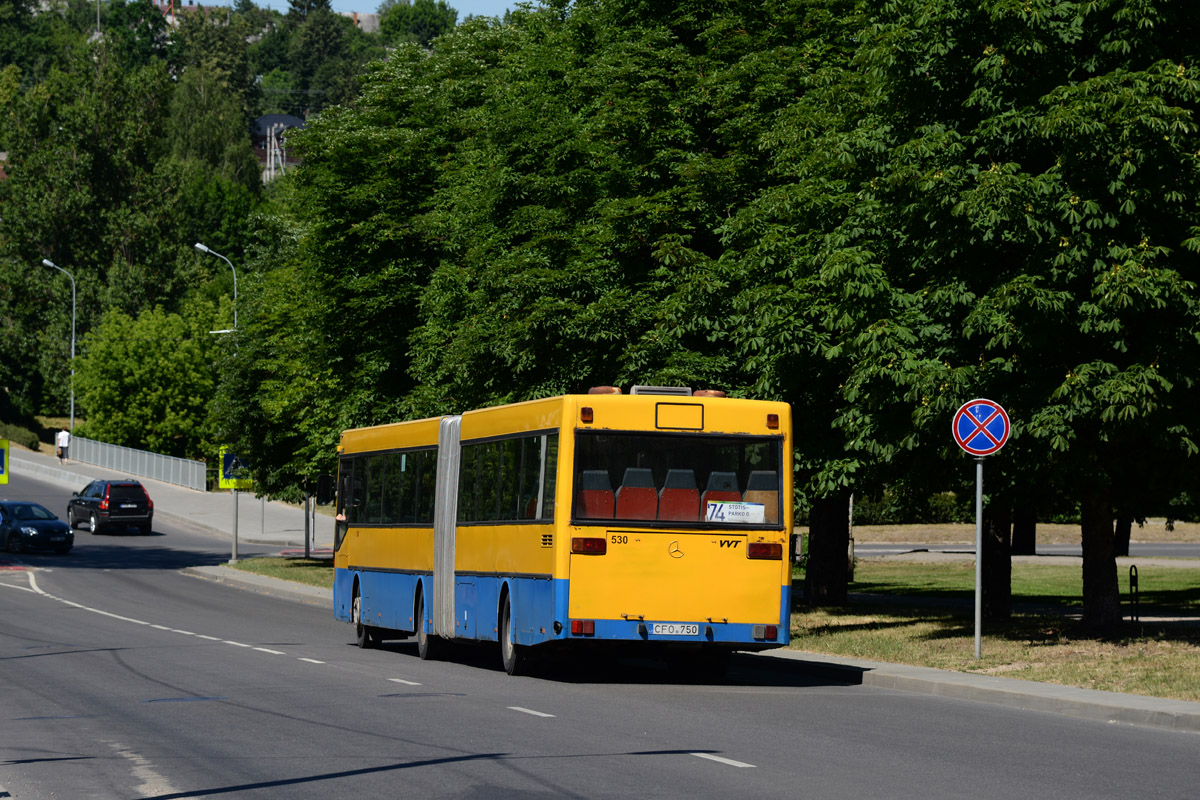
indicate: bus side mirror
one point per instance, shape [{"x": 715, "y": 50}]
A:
[{"x": 324, "y": 490}]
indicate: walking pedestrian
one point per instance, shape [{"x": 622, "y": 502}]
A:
[{"x": 62, "y": 442}]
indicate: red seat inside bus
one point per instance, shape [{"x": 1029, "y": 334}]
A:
[
  {"x": 722, "y": 488},
  {"x": 595, "y": 495},
  {"x": 637, "y": 498},
  {"x": 679, "y": 498}
]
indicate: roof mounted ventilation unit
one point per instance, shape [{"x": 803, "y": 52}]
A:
[{"x": 675, "y": 391}]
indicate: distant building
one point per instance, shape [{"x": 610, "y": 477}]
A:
[{"x": 269, "y": 145}]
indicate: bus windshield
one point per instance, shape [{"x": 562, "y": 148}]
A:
[{"x": 677, "y": 478}]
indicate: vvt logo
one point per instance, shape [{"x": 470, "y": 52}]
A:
[{"x": 731, "y": 543}]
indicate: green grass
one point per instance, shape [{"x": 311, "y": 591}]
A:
[
  {"x": 311, "y": 571},
  {"x": 914, "y": 626}
]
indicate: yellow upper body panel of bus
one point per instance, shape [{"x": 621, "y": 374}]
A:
[{"x": 397, "y": 435}]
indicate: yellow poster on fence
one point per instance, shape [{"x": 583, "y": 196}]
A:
[{"x": 3, "y": 462}]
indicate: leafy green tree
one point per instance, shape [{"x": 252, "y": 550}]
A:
[
  {"x": 418, "y": 21},
  {"x": 147, "y": 382},
  {"x": 1029, "y": 211},
  {"x": 301, "y": 9},
  {"x": 135, "y": 32}
]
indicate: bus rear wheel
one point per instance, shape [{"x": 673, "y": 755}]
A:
[{"x": 516, "y": 658}]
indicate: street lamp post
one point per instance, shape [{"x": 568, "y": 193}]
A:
[
  {"x": 204, "y": 249},
  {"x": 233, "y": 558},
  {"x": 47, "y": 262}
]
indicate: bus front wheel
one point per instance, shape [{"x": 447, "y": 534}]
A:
[
  {"x": 429, "y": 647},
  {"x": 364, "y": 637},
  {"x": 515, "y": 656}
]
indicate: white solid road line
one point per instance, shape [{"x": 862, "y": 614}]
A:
[
  {"x": 727, "y": 761},
  {"x": 529, "y": 711},
  {"x": 406, "y": 683}
]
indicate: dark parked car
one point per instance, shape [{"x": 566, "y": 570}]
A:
[
  {"x": 111, "y": 504},
  {"x": 29, "y": 526}
]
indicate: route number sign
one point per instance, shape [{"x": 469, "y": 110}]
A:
[{"x": 981, "y": 427}]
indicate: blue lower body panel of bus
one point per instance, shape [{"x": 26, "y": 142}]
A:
[{"x": 539, "y": 612}]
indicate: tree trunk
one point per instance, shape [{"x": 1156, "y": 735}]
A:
[
  {"x": 826, "y": 576},
  {"x": 1024, "y": 530},
  {"x": 1123, "y": 533},
  {"x": 1101, "y": 593},
  {"x": 997, "y": 563}
]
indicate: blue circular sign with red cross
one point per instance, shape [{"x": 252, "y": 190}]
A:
[{"x": 981, "y": 427}]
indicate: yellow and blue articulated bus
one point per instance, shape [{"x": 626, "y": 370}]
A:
[{"x": 659, "y": 519}]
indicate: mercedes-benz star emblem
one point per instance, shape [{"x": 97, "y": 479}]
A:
[{"x": 674, "y": 551}]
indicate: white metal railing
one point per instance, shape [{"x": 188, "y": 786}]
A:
[{"x": 168, "y": 469}]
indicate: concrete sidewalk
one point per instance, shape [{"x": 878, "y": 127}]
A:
[
  {"x": 260, "y": 521},
  {"x": 276, "y": 523}
]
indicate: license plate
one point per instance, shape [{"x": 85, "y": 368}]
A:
[
  {"x": 128, "y": 505},
  {"x": 675, "y": 629},
  {"x": 58, "y": 538}
]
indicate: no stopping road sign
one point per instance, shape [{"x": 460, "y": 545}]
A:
[{"x": 981, "y": 427}]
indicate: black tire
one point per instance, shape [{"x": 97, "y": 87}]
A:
[
  {"x": 364, "y": 637},
  {"x": 13, "y": 545},
  {"x": 515, "y": 657},
  {"x": 93, "y": 524},
  {"x": 70, "y": 518},
  {"x": 144, "y": 529},
  {"x": 429, "y": 647}
]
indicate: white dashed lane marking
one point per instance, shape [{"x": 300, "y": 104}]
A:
[
  {"x": 529, "y": 711},
  {"x": 726, "y": 761}
]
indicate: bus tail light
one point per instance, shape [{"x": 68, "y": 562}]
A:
[
  {"x": 767, "y": 550},
  {"x": 585, "y": 414},
  {"x": 589, "y": 546},
  {"x": 773, "y": 421},
  {"x": 583, "y": 627},
  {"x": 767, "y": 632}
]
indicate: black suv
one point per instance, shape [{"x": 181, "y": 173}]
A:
[{"x": 111, "y": 504}]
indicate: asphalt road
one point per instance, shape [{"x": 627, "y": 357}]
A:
[{"x": 122, "y": 678}]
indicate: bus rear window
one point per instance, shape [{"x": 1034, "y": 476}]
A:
[{"x": 677, "y": 479}]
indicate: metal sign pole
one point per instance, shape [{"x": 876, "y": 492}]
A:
[
  {"x": 978, "y": 557},
  {"x": 233, "y": 559},
  {"x": 980, "y": 427}
]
